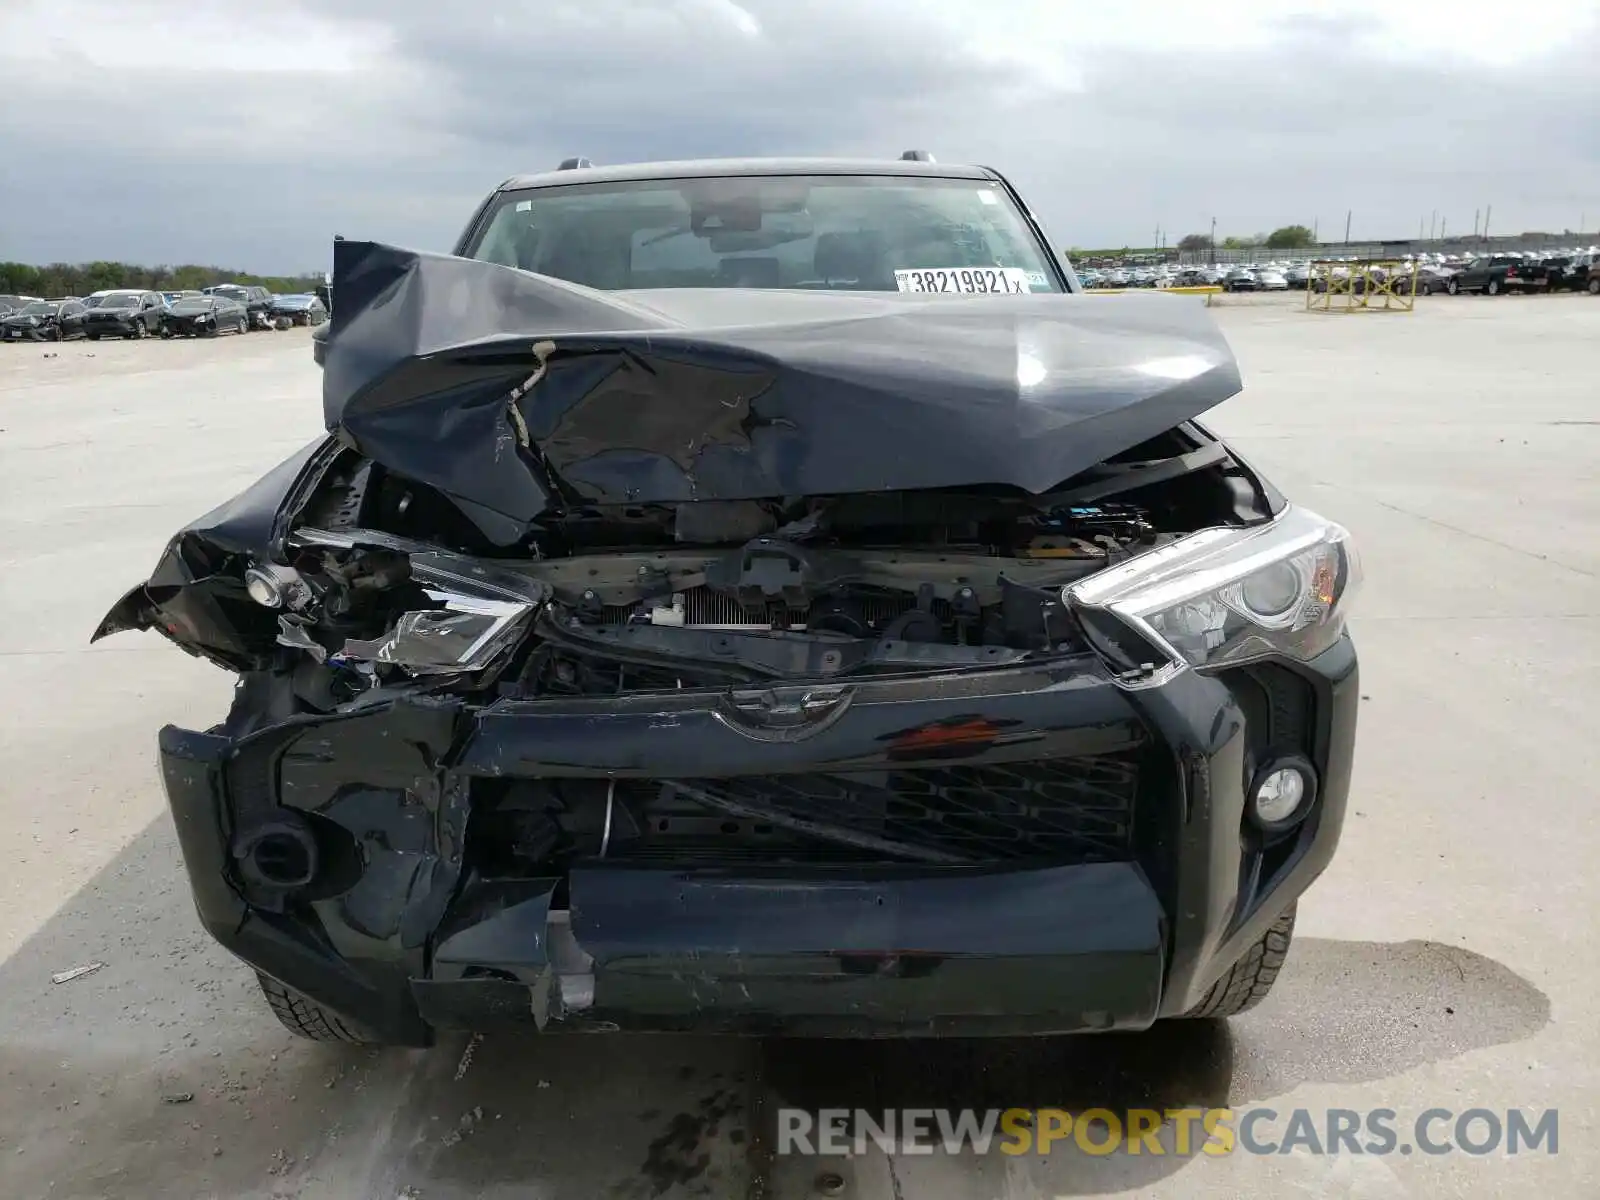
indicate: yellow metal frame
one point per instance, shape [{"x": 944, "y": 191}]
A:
[{"x": 1341, "y": 294}]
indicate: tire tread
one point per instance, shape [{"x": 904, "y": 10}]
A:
[
  {"x": 306, "y": 1018},
  {"x": 1248, "y": 981}
]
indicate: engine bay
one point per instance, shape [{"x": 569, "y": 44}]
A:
[{"x": 382, "y": 581}]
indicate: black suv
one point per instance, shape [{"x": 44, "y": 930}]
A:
[
  {"x": 130, "y": 313},
  {"x": 758, "y": 596}
]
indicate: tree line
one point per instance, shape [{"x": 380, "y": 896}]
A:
[
  {"x": 80, "y": 279},
  {"x": 1289, "y": 237}
]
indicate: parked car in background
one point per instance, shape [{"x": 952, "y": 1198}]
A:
[
  {"x": 1271, "y": 281},
  {"x": 1429, "y": 279},
  {"x": 201, "y": 315},
  {"x": 44, "y": 321},
  {"x": 1240, "y": 279},
  {"x": 128, "y": 314},
  {"x": 303, "y": 308},
  {"x": 257, "y": 301},
  {"x": 10, "y": 303},
  {"x": 1493, "y": 274},
  {"x": 1298, "y": 276},
  {"x": 1566, "y": 272}
]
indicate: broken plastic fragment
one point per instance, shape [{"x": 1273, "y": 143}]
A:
[{"x": 293, "y": 634}]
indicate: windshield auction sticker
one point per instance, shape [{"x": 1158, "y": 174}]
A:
[{"x": 969, "y": 281}]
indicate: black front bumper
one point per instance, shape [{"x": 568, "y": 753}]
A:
[
  {"x": 185, "y": 326},
  {"x": 103, "y": 328},
  {"x": 1119, "y": 912}
]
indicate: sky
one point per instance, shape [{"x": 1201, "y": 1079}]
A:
[{"x": 247, "y": 135}]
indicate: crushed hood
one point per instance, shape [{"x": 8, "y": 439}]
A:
[{"x": 513, "y": 392}]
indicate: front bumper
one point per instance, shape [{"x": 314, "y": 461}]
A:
[
  {"x": 104, "y": 328},
  {"x": 184, "y": 326},
  {"x": 1123, "y": 910}
]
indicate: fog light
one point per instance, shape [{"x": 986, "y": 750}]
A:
[
  {"x": 274, "y": 586},
  {"x": 263, "y": 588},
  {"x": 1282, "y": 795}
]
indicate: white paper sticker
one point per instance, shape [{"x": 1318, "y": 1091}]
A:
[
  {"x": 968, "y": 281},
  {"x": 524, "y": 205},
  {"x": 1036, "y": 279},
  {"x": 988, "y": 197}
]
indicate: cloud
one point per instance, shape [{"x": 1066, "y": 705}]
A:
[{"x": 144, "y": 130}]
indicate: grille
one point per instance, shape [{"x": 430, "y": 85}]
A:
[{"x": 1067, "y": 810}]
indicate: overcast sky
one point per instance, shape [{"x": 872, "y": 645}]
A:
[{"x": 247, "y": 134}]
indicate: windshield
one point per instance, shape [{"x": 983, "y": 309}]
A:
[
  {"x": 232, "y": 293},
  {"x": 38, "y": 309},
  {"x": 120, "y": 302},
  {"x": 853, "y": 232}
]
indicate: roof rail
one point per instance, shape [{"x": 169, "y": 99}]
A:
[
  {"x": 916, "y": 156},
  {"x": 574, "y": 164}
]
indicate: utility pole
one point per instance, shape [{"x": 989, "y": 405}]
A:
[
  {"x": 1433, "y": 223},
  {"x": 1475, "y": 214},
  {"x": 1444, "y": 223},
  {"x": 1347, "y": 227},
  {"x": 1488, "y": 208},
  {"x": 1213, "y": 241},
  {"x": 1314, "y": 221}
]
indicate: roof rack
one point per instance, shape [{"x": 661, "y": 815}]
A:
[
  {"x": 916, "y": 156},
  {"x": 574, "y": 164}
]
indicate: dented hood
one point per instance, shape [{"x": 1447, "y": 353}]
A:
[{"x": 514, "y": 392}]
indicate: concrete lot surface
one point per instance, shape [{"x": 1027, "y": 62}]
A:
[{"x": 1448, "y": 959}]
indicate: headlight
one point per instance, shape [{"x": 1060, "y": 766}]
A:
[
  {"x": 480, "y": 615},
  {"x": 1226, "y": 596}
]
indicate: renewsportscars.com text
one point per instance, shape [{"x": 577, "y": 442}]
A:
[{"x": 1172, "y": 1131}]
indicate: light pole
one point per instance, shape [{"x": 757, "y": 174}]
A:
[{"x": 1213, "y": 241}]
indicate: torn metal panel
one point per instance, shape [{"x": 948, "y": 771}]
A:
[{"x": 512, "y": 391}]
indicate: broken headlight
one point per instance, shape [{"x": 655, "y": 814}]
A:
[
  {"x": 464, "y": 634},
  {"x": 1225, "y": 596}
]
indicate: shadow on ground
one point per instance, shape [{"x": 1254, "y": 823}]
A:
[{"x": 162, "y": 1074}]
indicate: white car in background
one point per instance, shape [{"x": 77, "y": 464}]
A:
[{"x": 1271, "y": 280}]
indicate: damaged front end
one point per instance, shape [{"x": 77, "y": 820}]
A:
[{"x": 606, "y": 729}]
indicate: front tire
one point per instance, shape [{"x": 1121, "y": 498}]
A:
[
  {"x": 1248, "y": 981},
  {"x": 242, "y": 325},
  {"x": 1454, "y": 288},
  {"x": 1594, "y": 287},
  {"x": 305, "y": 1018},
  {"x": 1492, "y": 288}
]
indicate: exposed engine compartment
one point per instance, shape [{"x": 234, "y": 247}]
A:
[{"x": 381, "y": 576}]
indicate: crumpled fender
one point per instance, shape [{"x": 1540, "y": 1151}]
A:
[{"x": 195, "y": 597}]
